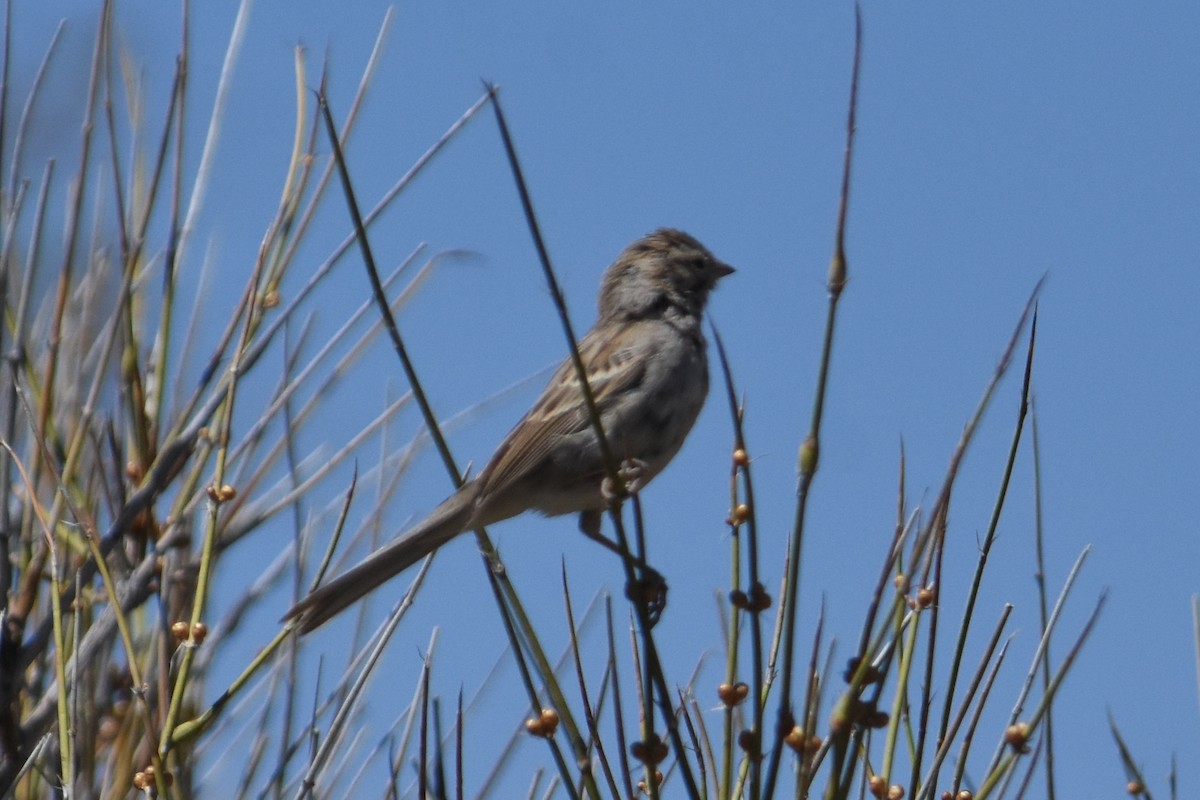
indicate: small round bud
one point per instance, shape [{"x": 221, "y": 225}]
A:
[
  {"x": 759, "y": 600},
  {"x": 644, "y": 789},
  {"x": 270, "y": 299},
  {"x": 732, "y": 694},
  {"x": 199, "y": 632},
  {"x": 1135, "y": 787},
  {"x": 895, "y": 792},
  {"x": 964, "y": 795},
  {"x": 740, "y": 457},
  {"x": 1017, "y": 736},
  {"x": 133, "y": 471},
  {"x": 926, "y": 597},
  {"x": 748, "y": 741},
  {"x": 146, "y": 779},
  {"x": 741, "y": 513},
  {"x": 221, "y": 494},
  {"x": 653, "y": 751},
  {"x": 544, "y": 724},
  {"x": 877, "y": 785},
  {"x": 179, "y": 631}
]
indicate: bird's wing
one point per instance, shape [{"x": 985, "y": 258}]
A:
[{"x": 611, "y": 360}]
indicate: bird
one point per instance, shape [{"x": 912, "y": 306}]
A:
[{"x": 647, "y": 367}]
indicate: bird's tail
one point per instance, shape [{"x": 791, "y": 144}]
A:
[{"x": 448, "y": 520}]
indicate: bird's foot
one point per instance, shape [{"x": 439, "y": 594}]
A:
[
  {"x": 648, "y": 590},
  {"x": 630, "y": 473}
]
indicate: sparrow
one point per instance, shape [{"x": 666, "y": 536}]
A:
[{"x": 647, "y": 367}]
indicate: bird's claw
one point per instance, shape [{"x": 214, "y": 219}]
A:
[
  {"x": 630, "y": 474},
  {"x": 649, "y": 590}
]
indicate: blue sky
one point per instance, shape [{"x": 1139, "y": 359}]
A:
[{"x": 996, "y": 144}]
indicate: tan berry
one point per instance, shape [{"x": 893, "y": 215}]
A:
[
  {"x": 1017, "y": 735},
  {"x": 1135, "y": 787},
  {"x": 876, "y": 785},
  {"x": 741, "y": 513},
  {"x": 141, "y": 781},
  {"x": 965, "y": 795},
  {"x": 149, "y": 777},
  {"x": 741, "y": 457},
  {"x": 179, "y": 631},
  {"x": 644, "y": 789},
  {"x": 732, "y": 694},
  {"x": 895, "y": 792},
  {"x": 199, "y": 632},
  {"x": 133, "y": 471},
  {"x": 221, "y": 494},
  {"x": 926, "y": 597},
  {"x": 900, "y": 582},
  {"x": 549, "y": 721}
]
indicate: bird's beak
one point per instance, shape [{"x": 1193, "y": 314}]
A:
[{"x": 722, "y": 269}]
